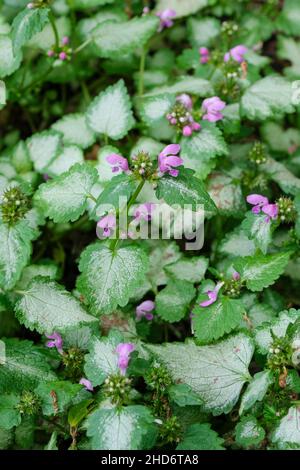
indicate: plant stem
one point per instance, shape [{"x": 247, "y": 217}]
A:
[
  {"x": 115, "y": 241},
  {"x": 142, "y": 70},
  {"x": 83, "y": 45},
  {"x": 90, "y": 196},
  {"x": 53, "y": 24}
]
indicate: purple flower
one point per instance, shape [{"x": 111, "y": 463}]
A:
[
  {"x": 62, "y": 56},
  {"x": 212, "y": 107},
  {"x": 107, "y": 224},
  {"x": 166, "y": 161},
  {"x": 204, "y": 55},
  {"x": 145, "y": 309},
  {"x": 185, "y": 100},
  {"x": 65, "y": 40},
  {"x": 236, "y": 276},
  {"x": 165, "y": 17},
  {"x": 271, "y": 210},
  {"x": 56, "y": 342},
  {"x": 124, "y": 350},
  {"x": 50, "y": 53},
  {"x": 118, "y": 162},
  {"x": 143, "y": 212},
  {"x": 258, "y": 201},
  {"x": 236, "y": 53},
  {"x": 212, "y": 295},
  {"x": 87, "y": 384}
]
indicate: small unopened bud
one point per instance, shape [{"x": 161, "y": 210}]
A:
[
  {"x": 62, "y": 56},
  {"x": 65, "y": 40}
]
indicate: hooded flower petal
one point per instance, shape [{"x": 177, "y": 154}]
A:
[
  {"x": 107, "y": 224},
  {"x": 118, "y": 162},
  {"x": 87, "y": 384},
  {"x": 212, "y": 295},
  {"x": 185, "y": 100},
  {"x": 170, "y": 150},
  {"x": 212, "y": 107},
  {"x": 236, "y": 53},
  {"x": 145, "y": 309},
  {"x": 124, "y": 350},
  {"x": 271, "y": 210},
  {"x": 204, "y": 55},
  {"x": 165, "y": 17},
  {"x": 143, "y": 212},
  {"x": 56, "y": 342}
]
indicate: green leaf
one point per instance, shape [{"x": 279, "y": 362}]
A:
[
  {"x": 119, "y": 186},
  {"x": 2, "y": 94},
  {"x": 47, "y": 269},
  {"x": 188, "y": 269},
  {"x": 285, "y": 179},
  {"x": 65, "y": 197},
  {"x": 288, "y": 20},
  {"x": 23, "y": 366},
  {"x": 9, "y": 414},
  {"x": 110, "y": 112},
  {"x": 9, "y": 61},
  {"x": 256, "y": 390},
  {"x": 43, "y": 148},
  {"x": 63, "y": 391},
  {"x": 262, "y": 270},
  {"x": 74, "y": 130},
  {"x": 70, "y": 155},
  {"x": 278, "y": 327},
  {"x": 102, "y": 359},
  {"x": 46, "y": 307},
  {"x": 182, "y": 7},
  {"x": 202, "y": 32},
  {"x": 185, "y": 189},
  {"x": 110, "y": 278},
  {"x": 248, "y": 432},
  {"x": 279, "y": 139},
  {"x": 186, "y": 84},
  {"x": 200, "y": 437},
  {"x": 288, "y": 430},
  {"x": 113, "y": 39},
  {"x": 27, "y": 23},
  {"x": 201, "y": 148},
  {"x": 257, "y": 228},
  {"x": 173, "y": 301},
  {"x": 226, "y": 192},
  {"x": 78, "y": 412},
  {"x": 52, "y": 444},
  {"x": 214, "y": 321},
  {"x": 83, "y": 4},
  {"x": 183, "y": 395},
  {"x": 216, "y": 373},
  {"x": 289, "y": 49},
  {"x": 266, "y": 98},
  {"x": 129, "y": 428},
  {"x": 15, "y": 251},
  {"x": 237, "y": 242},
  {"x": 154, "y": 108}
]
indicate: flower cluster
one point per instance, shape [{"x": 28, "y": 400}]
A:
[
  {"x": 233, "y": 286},
  {"x": 63, "y": 52},
  {"x": 117, "y": 388},
  {"x": 181, "y": 116},
  {"x": 166, "y": 16},
  {"x": 14, "y": 205},
  {"x": 29, "y": 403},
  {"x": 286, "y": 210},
  {"x": 258, "y": 153}
]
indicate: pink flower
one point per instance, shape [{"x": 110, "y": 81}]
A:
[
  {"x": 65, "y": 40},
  {"x": 204, "y": 55},
  {"x": 166, "y": 161},
  {"x": 62, "y": 56},
  {"x": 143, "y": 212},
  {"x": 107, "y": 224},
  {"x": 271, "y": 210},
  {"x": 258, "y": 201},
  {"x": 187, "y": 131},
  {"x": 165, "y": 17},
  {"x": 50, "y": 53},
  {"x": 56, "y": 342},
  {"x": 261, "y": 203},
  {"x": 212, "y": 295},
  {"x": 185, "y": 100},
  {"x": 118, "y": 162},
  {"x": 145, "y": 309},
  {"x": 146, "y": 10},
  {"x": 212, "y": 107},
  {"x": 87, "y": 384},
  {"x": 236, "y": 276},
  {"x": 124, "y": 350},
  {"x": 236, "y": 53}
]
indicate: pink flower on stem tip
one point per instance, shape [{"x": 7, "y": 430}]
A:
[
  {"x": 87, "y": 384},
  {"x": 145, "y": 309},
  {"x": 212, "y": 107},
  {"x": 107, "y": 224},
  {"x": 185, "y": 100},
  {"x": 65, "y": 40},
  {"x": 56, "y": 342},
  {"x": 143, "y": 212},
  {"x": 212, "y": 295},
  {"x": 236, "y": 276},
  {"x": 124, "y": 350},
  {"x": 166, "y": 161},
  {"x": 204, "y": 55},
  {"x": 261, "y": 204},
  {"x": 118, "y": 162},
  {"x": 236, "y": 53},
  {"x": 165, "y": 17},
  {"x": 271, "y": 210},
  {"x": 62, "y": 56}
]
